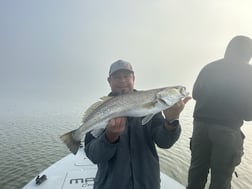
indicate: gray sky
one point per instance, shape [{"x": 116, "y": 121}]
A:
[{"x": 60, "y": 50}]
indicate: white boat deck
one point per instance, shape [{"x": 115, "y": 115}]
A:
[{"x": 78, "y": 172}]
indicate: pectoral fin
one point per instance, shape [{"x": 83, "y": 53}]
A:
[
  {"x": 147, "y": 118},
  {"x": 150, "y": 104}
]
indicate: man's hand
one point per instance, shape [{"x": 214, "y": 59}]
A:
[
  {"x": 174, "y": 111},
  {"x": 115, "y": 128}
]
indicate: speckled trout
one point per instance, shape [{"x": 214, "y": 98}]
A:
[{"x": 135, "y": 104}]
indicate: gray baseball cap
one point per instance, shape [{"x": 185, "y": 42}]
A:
[{"x": 120, "y": 65}]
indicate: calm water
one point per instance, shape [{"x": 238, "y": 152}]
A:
[{"x": 30, "y": 143}]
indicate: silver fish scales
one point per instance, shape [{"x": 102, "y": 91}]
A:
[{"x": 135, "y": 104}]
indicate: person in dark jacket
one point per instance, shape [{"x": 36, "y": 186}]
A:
[
  {"x": 223, "y": 93},
  {"x": 125, "y": 151}
]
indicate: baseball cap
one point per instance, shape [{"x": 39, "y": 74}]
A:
[{"x": 120, "y": 65}]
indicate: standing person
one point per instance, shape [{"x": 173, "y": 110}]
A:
[
  {"x": 223, "y": 95},
  {"x": 125, "y": 151}
]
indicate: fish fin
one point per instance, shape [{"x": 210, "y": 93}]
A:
[
  {"x": 150, "y": 105},
  {"x": 97, "y": 132},
  {"x": 94, "y": 106},
  {"x": 71, "y": 143},
  {"x": 105, "y": 98},
  {"x": 147, "y": 118}
]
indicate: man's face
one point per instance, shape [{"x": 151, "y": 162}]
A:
[{"x": 121, "y": 82}]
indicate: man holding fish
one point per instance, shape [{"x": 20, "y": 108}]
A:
[{"x": 125, "y": 151}]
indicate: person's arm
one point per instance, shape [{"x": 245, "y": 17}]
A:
[
  {"x": 248, "y": 104},
  {"x": 99, "y": 149},
  {"x": 198, "y": 84},
  {"x": 196, "y": 88},
  {"x": 104, "y": 147},
  {"x": 248, "y": 116},
  {"x": 167, "y": 131}
]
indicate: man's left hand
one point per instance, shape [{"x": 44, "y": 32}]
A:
[{"x": 174, "y": 111}]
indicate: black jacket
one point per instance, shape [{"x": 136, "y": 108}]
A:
[
  {"x": 131, "y": 162},
  {"x": 223, "y": 93}
]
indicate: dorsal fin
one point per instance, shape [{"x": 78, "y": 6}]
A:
[
  {"x": 94, "y": 106},
  {"x": 105, "y": 98}
]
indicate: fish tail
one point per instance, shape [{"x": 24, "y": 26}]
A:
[{"x": 71, "y": 143}]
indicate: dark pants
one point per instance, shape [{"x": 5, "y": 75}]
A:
[{"x": 216, "y": 148}]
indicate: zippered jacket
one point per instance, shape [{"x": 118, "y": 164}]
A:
[{"x": 132, "y": 161}]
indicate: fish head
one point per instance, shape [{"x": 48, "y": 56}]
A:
[
  {"x": 170, "y": 95},
  {"x": 182, "y": 90}
]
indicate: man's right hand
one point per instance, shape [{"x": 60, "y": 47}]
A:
[{"x": 115, "y": 128}]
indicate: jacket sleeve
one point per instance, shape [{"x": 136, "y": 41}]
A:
[
  {"x": 163, "y": 137},
  {"x": 248, "y": 105},
  {"x": 246, "y": 94},
  {"x": 98, "y": 149},
  {"x": 248, "y": 116},
  {"x": 197, "y": 86}
]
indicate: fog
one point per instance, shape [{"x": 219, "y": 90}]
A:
[{"x": 57, "y": 53}]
